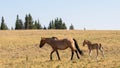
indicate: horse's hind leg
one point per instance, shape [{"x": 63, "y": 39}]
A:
[
  {"x": 51, "y": 55},
  {"x": 58, "y": 55},
  {"x": 72, "y": 54},
  {"x": 77, "y": 54}
]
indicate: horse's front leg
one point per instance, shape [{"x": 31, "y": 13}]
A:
[
  {"x": 58, "y": 54},
  {"x": 51, "y": 54}
]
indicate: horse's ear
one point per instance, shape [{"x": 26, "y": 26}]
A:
[
  {"x": 85, "y": 40},
  {"x": 42, "y": 37}
]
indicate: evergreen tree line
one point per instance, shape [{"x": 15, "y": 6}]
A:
[
  {"x": 28, "y": 24},
  {"x": 57, "y": 24},
  {"x": 35, "y": 24}
]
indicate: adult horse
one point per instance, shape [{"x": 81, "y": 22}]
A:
[{"x": 61, "y": 44}]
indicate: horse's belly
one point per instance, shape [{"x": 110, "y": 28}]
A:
[{"x": 62, "y": 47}]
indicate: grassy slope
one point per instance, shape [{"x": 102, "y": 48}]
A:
[{"x": 20, "y": 49}]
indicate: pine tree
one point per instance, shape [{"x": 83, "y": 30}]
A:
[
  {"x": 44, "y": 27},
  {"x": 57, "y": 24},
  {"x": 30, "y": 21},
  {"x": 71, "y": 27},
  {"x": 39, "y": 25},
  {"x": 35, "y": 25},
  {"x": 26, "y": 22},
  {"x": 3, "y": 25},
  {"x": 50, "y": 26},
  {"x": 19, "y": 23},
  {"x": 63, "y": 26},
  {"x": 53, "y": 25},
  {"x": 12, "y": 28}
]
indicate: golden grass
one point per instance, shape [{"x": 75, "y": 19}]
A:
[{"x": 20, "y": 49}]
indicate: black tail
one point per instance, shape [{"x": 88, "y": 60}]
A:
[{"x": 77, "y": 47}]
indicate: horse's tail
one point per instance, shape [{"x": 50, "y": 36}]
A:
[
  {"x": 77, "y": 47},
  {"x": 100, "y": 46}
]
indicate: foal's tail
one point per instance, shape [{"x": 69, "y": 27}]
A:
[
  {"x": 77, "y": 47},
  {"x": 100, "y": 46}
]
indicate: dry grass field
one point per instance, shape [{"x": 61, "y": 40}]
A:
[{"x": 20, "y": 49}]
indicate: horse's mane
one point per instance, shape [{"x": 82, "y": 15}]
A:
[
  {"x": 88, "y": 41},
  {"x": 55, "y": 38}
]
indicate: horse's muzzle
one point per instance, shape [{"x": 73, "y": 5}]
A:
[{"x": 40, "y": 46}]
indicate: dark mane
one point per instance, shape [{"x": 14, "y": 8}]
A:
[{"x": 55, "y": 38}]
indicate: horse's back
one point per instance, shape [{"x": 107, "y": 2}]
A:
[{"x": 68, "y": 42}]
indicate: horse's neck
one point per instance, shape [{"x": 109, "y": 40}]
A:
[
  {"x": 89, "y": 43},
  {"x": 49, "y": 41}
]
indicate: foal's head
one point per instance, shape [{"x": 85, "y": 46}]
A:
[
  {"x": 42, "y": 42},
  {"x": 86, "y": 42}
]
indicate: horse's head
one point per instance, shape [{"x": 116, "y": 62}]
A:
[
  {"x": 86, "y": 42},
  {"x": 42, "y": 42}
]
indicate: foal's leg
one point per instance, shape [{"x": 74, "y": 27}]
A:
[
  {"x": 97, "y": 54},
  {"x": 102, "y": 52},
  {"x": 51, "y": 54},
  {"x": 77, "y": 54},
  {"x": 58, "y": 55},
  {"x": 90, "y": 51}
]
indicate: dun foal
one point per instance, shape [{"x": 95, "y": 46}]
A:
[{"x": 92, "y": 46}]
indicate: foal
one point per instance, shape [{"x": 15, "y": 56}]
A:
[{"x": 92, "y": 46}]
